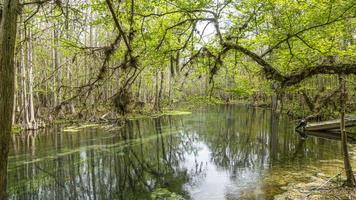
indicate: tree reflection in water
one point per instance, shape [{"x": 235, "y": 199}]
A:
[{"x": 219, "y": 152}]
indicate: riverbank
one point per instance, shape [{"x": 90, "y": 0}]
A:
[
  {"x": 109, "y": 117},
  {"x": 106, "y": 114}
]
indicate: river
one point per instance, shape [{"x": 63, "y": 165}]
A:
[{"x": 217, "y": 152}]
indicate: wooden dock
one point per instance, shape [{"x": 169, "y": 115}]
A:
[{"x": 350, "y": 120}]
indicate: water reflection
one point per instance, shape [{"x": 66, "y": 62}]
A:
[{"x": 221, "y": 152}]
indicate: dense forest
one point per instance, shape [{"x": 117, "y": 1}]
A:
[{"x": 106, "y": 61}]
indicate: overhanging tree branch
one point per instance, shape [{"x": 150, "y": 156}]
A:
[
  {"x": 297, "y": 77},
  {"x": 270, "y": 72}
]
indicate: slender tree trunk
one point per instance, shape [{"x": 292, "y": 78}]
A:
[
  {"x": 32, "y": 123},
  {"x": 69, "y": 64},
  {"x": 57, "y": 60},
  {"x": 171, "y": 78},
  {"x": 70, "y": 84},
  {"x": 276, "y": 99},
  {"x": 160, "y": 94},
  {"x": 7, "y": 74},
  {"x": 18, "y": 91},
  {"x": 15, "y": 97},
  {"x": 170, "y": 90},
  {"x": 177, "y": 63},
  {"x": 89, "y": 67},
  {"x": 54, "y": 65},
  {"x": 156, "y": 93},
  {"x": 347, "y": 165},
  {"x": 25, "y": 120},
  {"x": 56, "y": 69},
  {"x": 138, "y": 95}
]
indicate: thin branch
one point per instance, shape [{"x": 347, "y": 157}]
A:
[
  {"x": 289, "y": 36},
  {"x": 270, "y": 72},
  {"x": 308, "y": 45},
  {"x": 118, "y": 25}
]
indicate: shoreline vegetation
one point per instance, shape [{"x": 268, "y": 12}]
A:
[{"x": 181, "y": 108}]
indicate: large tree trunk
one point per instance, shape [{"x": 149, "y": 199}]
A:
[
  {"x": 7, "y": 75},
  {"x": 347, "y": 165}
]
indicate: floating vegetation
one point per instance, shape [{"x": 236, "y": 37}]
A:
[
  {"x": 111, "y": 127},
  {"x": 88, "y": 126},
  {"x": 16, "y": 129},
  {"x": 70, "y": 129},
  {"x": 68, "y": 121},
  {"x": 163, "y": 193},
  {"x": 77, "y": 128},
  {"x": 176, "y": 112},
  {"x": 156, "y": 115},
  {"x": 106, "y": 148}
]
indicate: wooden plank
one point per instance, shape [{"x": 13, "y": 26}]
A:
[{"x": 331, "y": 124}]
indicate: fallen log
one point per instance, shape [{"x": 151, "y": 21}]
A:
[
  {"x": 332, "y": 135},
  {"x": 350, "y": 121}
]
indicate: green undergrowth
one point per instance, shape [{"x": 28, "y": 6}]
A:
[{"x": 163, "y": 193}]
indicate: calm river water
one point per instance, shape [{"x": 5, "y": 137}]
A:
[{"x": 218, "y": 152}]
